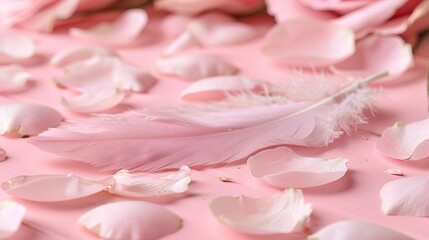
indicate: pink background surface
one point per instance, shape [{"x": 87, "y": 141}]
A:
[{"x": 355, "y": 196}]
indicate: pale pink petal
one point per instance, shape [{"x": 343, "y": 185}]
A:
[
  {"x": 405, "y": 141},
  {"x": 15, "y": 47},
  {"x": 12, "y": 78},
  {"x": 406, "y": 196},
  {"x": 376, "y": 54},
  {"x": 371, "y": 15},
  {"x": 295, "y": 43},
  {"x": 337, "y": 6},
  {"x": 50, "y": 188},
  {"x": 3, "y": 155},
  {"x": 27, "y": 119},
  {"x": 293, "y": 9},
  {"x": 211, "y": 32},
  {"x": 94, "y": 101},
  {"x": 394, "y": 171},
  {"x": 85, "y": 5},
  {"x": 140, "y": 185},
  {"x": 281, "y": 167},
  {"x": 196, "y": 6},
  {"x": 11, "y": 216},
  {"x": 194, "y": 66},
  {"x": 71, "y": 55},
  {"x": 356, "y": 230},
  {"x": 132, "y": 78},
  {"x": 122, "y": 31},
  {"x": 282, "y": 213},
  {"x": 221, "y": 87},
  {"x": 175, "y": 24},
  {"x": 130, "y": 220},
  {"x": 183, "y": 42}
]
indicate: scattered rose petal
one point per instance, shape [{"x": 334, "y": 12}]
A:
[
  {"x": 377, "y": 54},
  {"x": 194, "y": 66},
  {"x": 27, "y": 119},
  {"x": 225, "y": 179},
  {"x": 331, "y": 45},
  {"x": 215, "y": 32},
  {"x": 338, "y": 6},
  {"x": 175, "y": 24},
  {"x": 220, "y": 87},
  {"x": 283, "y": 168},
  {"x": 394, "y": 171},
  {"x": 405, "y": 141},
  {"x": 3, "y": 155},
  {"x": 11, "y": 216},
  {"x": 71, "y": 55},
  {"x": 281, "y": 213},
  {"x": 137, "y": 185},
  {"x": 15, "y": 47},
  {"x": 356, "y": 230},
  {"x": 197, "y": 6},
  {"x": 124, "y": 30},
  {"x": 94, "y": 101},
  {"x": 12, "y": 78},
  {"x": 131, "y": 78},
  {"x": 51, "y": 188},
  {"x": 293, "y": 9},
  {"x": 406, "y": 196},
  {"x": 183, "y": 42},
  {"x": 130, "y": 220}
]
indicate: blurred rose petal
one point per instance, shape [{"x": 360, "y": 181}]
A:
[
  {"x": 138, "y": 185},
  {"x": 376, "y": 54},
  {"x": 197, "y": 6},
  {"x": 71, "y": 55},
  {"x": 175, "y": 24},
  {"x": 405, "y": 141},
  {"x": 11, "y": 216},
  {"x": 194, "y": 66},
  {"x": 394, "y": 171},
  {"x": 130, "y": 220},
  {"x": 27, "y": 119},
  {"x": 221, "y": 87},
  {"x": 356, "y": 230},
  {"x": 337, "y": 6},
  {"x": 132, "y": 78},
  {"x": 3, "y": 155},
  {"x": 15, "y": 47},
  {"x": 12, "y": 78},
  {"x": 406, "y": 196},
  {"x": 85, "y": 5},
  {"x": 282, "y": 213},
  {"x": 371, "y": 15},
  {"x": 183, "y": 42},
  {"x": 281, "y": 167},
  {"x": 122, "y": 31},
  {"x": 293, "y": 9},
  {"x": 50, "y": 188},
  {"x": 94, "y": 101},
  {"x": 294, "y": 43}
]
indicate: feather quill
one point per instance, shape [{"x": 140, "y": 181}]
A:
[{"x": 207, "y": 134}]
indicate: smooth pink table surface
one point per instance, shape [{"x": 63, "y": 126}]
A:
[{"x": 355, "y": 196}]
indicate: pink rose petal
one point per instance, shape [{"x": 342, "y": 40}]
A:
[
  {"x": 183, "y": 42},
  {"x": 281, "y": 167},
  {"x": 294, "y": 43},
  {"x": 282, "y": 213},
  {"x": 11, "y": 216},
  {"x": 394, "y": 171},
  {"x": 405, "y": 141},
  {"x": 406, "y": 196},
  {"x": 294, "y": 9},
  {"x": 139, "y": 185},
  {"x": 27, "y": 119},
  {"x": 377, "y": 54},
  {"x": 194, "y": 66},
  {"x": 130, "y": 220},
  {"x": 175, "y": 24},
  {"x": 356, "y": 230},
  {"x": 12, "y": 78},
  {"x": 69, "y": 56},
  {"x": 132, "y": 78},
  {"x": 15, "y": 47},
  {"x": 124, "y": 30},
  {"x": 337, "y": 6},
  {"x": 95, "y": 101},
  {"x": 221, "y": 87},
  {"x": 3, "y": 155},
  {"x": 371, "y": 15},
  {"x": 196, "y": 6},
  {"x": 51, "y": 188}
]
